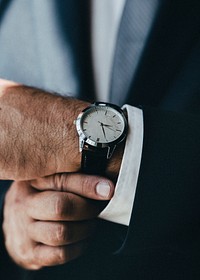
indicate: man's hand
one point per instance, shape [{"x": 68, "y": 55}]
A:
[
  {"x": 37, "y": 136},
  {"x": 51, "y": 227}
]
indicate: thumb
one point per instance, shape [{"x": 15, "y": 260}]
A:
[{"x": 89, "y": 186}]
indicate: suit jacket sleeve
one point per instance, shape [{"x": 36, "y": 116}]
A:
[{"x": 164, "y": 230}]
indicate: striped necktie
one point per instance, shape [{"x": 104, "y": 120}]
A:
[{"x": 133, "y": 32}]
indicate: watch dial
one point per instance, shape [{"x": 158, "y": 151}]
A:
[{"x": 102, "y": 124}]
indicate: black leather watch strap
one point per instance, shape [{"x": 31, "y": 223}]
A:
[{"x": 94, "y": 161}]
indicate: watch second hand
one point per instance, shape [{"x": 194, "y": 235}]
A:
[{"x": 107, "y": 125}]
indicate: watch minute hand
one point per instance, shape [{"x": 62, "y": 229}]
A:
[
  {"x": 103, "y": 131},
  {"x": 102, "y": 126}
]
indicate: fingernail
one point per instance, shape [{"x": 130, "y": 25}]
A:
[{"x": 103, "y": 189}]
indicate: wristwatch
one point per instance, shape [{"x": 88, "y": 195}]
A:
[{"x": 101, "y": 127}]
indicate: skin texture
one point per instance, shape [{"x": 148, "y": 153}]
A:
[
  {"x": 51, "y": 227},
  {"x": 38, "y": 137},
  {"x": 47, "y": 220}
]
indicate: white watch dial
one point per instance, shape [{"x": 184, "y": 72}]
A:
[{"x": 102, "y": 124}]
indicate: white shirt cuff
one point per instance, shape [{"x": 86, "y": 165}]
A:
[{"x": 120, "y": 206}]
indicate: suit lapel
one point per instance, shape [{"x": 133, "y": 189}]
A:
[
  {"x": 136, "y": 24},
  {"x": 175, "y": 30},
  {"x": 175, "y": 33}
]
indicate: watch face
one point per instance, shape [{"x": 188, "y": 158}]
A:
[{"x": 102, "y": 124}]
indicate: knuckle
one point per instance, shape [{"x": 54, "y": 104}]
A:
[
  {"x": 86, "y": 186},
  {"x": 60, "y": 180},
  {"x": 57, "y": 182},
  {"x": 64, "y": 181},
  {"x": 59, "y": 207},
  {"x": 60, "y": 234},
  {"x": 69, "y": 206},
  {"x": 64, "y": 206}
]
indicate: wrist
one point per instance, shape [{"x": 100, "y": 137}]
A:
[
  {"x": 102, "y": 130},
  {"x": 69, "y": 158}
]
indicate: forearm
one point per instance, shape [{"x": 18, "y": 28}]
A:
[
  {"x": 38, "y": 137},
  {"x": 37, "y": 133}
]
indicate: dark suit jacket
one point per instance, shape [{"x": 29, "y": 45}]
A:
[{"x": 163, "y": 239}]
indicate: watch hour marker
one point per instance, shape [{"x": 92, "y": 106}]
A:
[
  {"x": 98, "y": 139},
  {"x": 118, "y": 123},
  {"x": 114, "y": 116},
  {"x": 118, "y": 130},
  {"x": 106, "y": 112}
]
